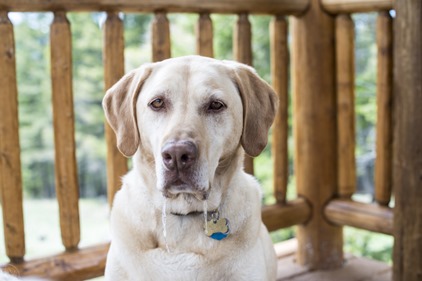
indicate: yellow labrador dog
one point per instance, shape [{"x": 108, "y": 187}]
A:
[{"x": 187, "y": 210}]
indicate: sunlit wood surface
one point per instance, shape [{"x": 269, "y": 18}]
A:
[{"x": 354, "y": 268}]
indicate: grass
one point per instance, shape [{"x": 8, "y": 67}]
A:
[
  {"x": 368, "y": 244},
  {"x": 42, "y": 230}
]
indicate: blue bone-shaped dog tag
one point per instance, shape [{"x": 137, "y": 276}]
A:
[{"x": 217, "y": 229}]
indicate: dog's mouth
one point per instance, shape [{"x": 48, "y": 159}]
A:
[{"x": 180, "y": 187}]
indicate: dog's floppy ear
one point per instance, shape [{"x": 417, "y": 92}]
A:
[
  {"x": 119, "y": 105},
  {"x": 260, "y": 104}
]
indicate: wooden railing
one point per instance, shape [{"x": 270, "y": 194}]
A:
[
  {"x": 323, "y": 87},
  {"x": 376, "y": 217},
  {"x": 77, "y": 264}
]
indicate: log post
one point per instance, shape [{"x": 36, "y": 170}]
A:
[
  {"x": 242, "y": 50},
  {"x": 113, "y": 57},
  {"x": 407, "y": 141},
  {"x": 204, "y": 36},
  {"x": 384, "y": 139},
  {"x": 67, "y": 187},
  {"x": 345, "y": 76},
  {"x": 320, "y": 243},
  {"x": 280, "y": 79},
  {"x": 161, "y": 46},
  {"x": 10, "y": 163}
]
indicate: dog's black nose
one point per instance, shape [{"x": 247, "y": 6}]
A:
[{"x": 179, "y": 155}]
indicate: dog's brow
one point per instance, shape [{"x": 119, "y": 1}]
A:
[
  {"x": 215, "y": 94},
  {"x": 161, "y": 93}
]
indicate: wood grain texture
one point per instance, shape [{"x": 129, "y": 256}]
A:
[
  {"x": 242, "y": 52},
  {"x": 180, "y": 6},
  {"x": 113, "y": 57},
  {"x": 242, "y": 40},
  {"x": 354, "y": 269},
  {"x": 384, "y": 127},
  {"x": 79, "y": 265},
  {"x": 345, "y": 78},
  {"x": 356, "y": 6},
  {"x": 313, "y": 53},
  {"x": 10, "y": 164},
  {"x": 280, "y": 81},
  {"x": 204, "y": 36},
  {"x": 371, "y": 217},
  {"x": 161, "y": 45},
  {"x": 66, "y": 175},
  {"x": 407, "y": 143},
  {"x": 291, "y": 213}
]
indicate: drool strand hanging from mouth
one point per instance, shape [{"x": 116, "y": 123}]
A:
[{"x": 164, "y": 221}]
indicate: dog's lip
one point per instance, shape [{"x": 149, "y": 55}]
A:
[
  {"x": 199, "y": 195},
  {"x": 178, "y": 182},
  {"x": 172, "y": 191}
]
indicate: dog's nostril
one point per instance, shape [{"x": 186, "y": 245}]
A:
[
  {"x": 167, "y": 156},
  {"x": 169, "y": 163},
  {"x": 184, "y": 158}
]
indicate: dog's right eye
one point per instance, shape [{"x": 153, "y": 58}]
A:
[
  {"x": 216, "y": 106},
  {"x": 157, "y": 104}
]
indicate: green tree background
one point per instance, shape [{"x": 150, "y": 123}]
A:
[{"x": 35, "y": 113}]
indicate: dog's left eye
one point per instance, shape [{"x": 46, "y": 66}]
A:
[
  {"x": 157, "y": 104},
  {"x": 216, "y": 106}
]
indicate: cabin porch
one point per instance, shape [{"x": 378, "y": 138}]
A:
[{"x": 319, "y": 64}]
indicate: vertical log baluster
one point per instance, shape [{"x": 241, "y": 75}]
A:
[
  {"x": 384, "y": 139},
  {"x": 280, "y": 80},
  {"x": 113, "y": 52},
  {"x": 242, "y": 49},
  {"x": 10, "y": 164},
  {"x": 313, "y": 57},
  {"x": 161, "y": 46},
  {"x": 204, "y": 36},
  {"x": 67, "y": 187},
  {"x": 345, "y": 67}
]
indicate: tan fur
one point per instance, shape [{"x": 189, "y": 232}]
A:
[{"x": 188, "y": 85}]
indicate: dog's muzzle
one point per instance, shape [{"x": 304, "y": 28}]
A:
[{"x": 180, "y": 162}]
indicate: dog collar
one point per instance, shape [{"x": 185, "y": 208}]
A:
[
  {"x": 194, "y": 213},
  {"x": 215, "y": 227}
]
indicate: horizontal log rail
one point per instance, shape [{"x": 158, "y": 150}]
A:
[
  {"x": 90, "y": 262},
  {"x": 293, "y": 7},
  {"x": 77, "y": 265},
  {"x": 371, "y": 217},
  {"x": 356, "y": 6},
  {"x": 279, "y": 216}
]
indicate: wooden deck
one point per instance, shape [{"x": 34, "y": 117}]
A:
[{"x": 354, "y": 269}]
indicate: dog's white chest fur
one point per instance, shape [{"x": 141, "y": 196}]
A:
[{"x": 139, "y": 250}]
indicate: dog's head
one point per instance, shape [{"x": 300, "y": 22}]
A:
[{"x": 189, "y": 115}]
